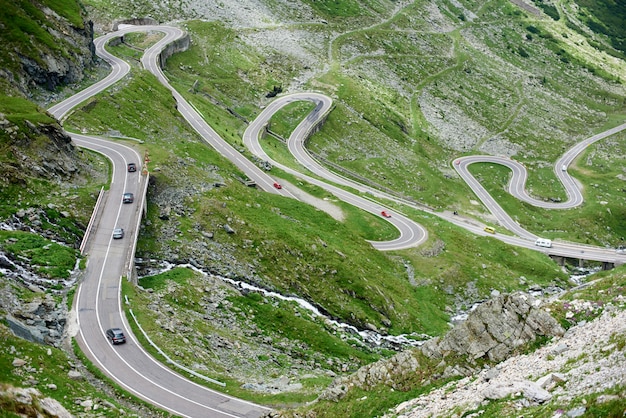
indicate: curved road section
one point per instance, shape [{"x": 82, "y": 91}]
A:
[
  {"x": 98, "y": 305},
  {"x": 412, "y": 234},
  {"x": 517, "y": 188},
  {"x": 517, "y": 184}
]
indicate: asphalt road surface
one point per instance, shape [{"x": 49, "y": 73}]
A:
[{"x": 412, "y": 234}]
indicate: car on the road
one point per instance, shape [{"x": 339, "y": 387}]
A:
[
  {"x": 116, "y": 335},
  {"x": 132, "y": 167},
  {"x": 385, "y": 214},
  {"x": 118, "y": 233},
  {"x": 490, "y": 229},
  {"x": 128, "y": 198},
  {"x": 277, "y": 185}
]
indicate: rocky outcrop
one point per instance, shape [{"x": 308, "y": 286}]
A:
[
  {"x": 38, "y": 150},
  {"x": 30, "y": 402},
  {"x": 58, "y": 55},
  {"x": 495, "y": 329},
  {"x": 42, "y": 321},
  {"x": 559, "y": 371},
  {"x": 391, "y": 372},
  {"x": 581, "y": 363},
  {"x": 492, "y": 331},
  {"x": 42, "y": 318}
]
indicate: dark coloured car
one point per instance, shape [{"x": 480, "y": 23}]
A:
[
  {"x": 116, "y": 336},
  {"x": 132, "y": 167},
  {"x": 118, "y": 233},
  {"x": 128, "y": 198}
]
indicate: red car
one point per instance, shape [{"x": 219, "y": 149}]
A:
[
  {"x": 385, "y": 214},
  {"x": 278, "y": 186}
]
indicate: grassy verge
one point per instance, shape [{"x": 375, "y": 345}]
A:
[
  {"x": 168, "y": 339},
  {"x": 46, "y": 369},
  {"x": 118, "y": 392},
  {"x": 53, "y": 260}
]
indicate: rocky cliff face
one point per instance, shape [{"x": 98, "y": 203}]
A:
[
  {"x": 495, "y": 329},
  {"x": 57, "y": 51},
  {"x": 44, "y": 44},
  {"x": 492, "y": 332},
  {"x": 36, "y": 150}
]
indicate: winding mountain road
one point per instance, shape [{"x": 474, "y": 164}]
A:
[
  {"x": 522, "y": 238},
  {"x": 411, "y": 233},
  {"x": 517, "y": 184},
  {"x": 98, "y": 305},
  {"x": 517, "y": 188}
]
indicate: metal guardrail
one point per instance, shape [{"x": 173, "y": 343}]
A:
[
  {"x": 94, "y": 214},
  {"x": 143, "y": 208},
  {"x": 167, "y": 358}
]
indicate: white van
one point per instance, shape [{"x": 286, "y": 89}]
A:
[
  {"x": 542, "y": 242},
  {"x": 563, "y": 167}
]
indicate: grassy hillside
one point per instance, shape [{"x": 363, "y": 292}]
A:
[
  {"x": 282, "y": 245},
  {"x": 410, "y": 96},
  {"x": 45, "y": 369},
  {"x": 290, "y": 246},
  {"x": 605, "y": 19},
  {"x": 39, "y": 169},
  {"x": 413, "y": 89},
  {"x": 45, "y": 43}
]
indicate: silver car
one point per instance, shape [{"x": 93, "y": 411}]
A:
[{"x": 118, "y": 233}]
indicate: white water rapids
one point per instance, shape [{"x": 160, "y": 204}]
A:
[{"x": 367, "y": 336}]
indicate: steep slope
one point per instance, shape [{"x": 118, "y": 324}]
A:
[
  {"x": 45, "y": 44},
  {"x": 510, "y": 357},
  {"x": 47, "y": 191}
]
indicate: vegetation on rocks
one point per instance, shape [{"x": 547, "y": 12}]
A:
[
  {"x": 545, "y": 374},
  {"x": 44, "y": 381},
  {"x": 46, "y": 43}
]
